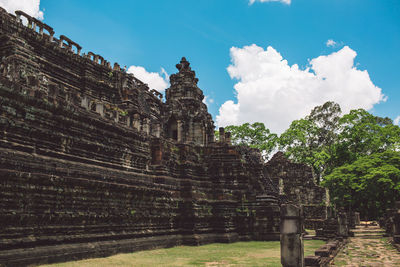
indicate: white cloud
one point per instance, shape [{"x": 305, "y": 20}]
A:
[
  {"x": 31, "y": 7},
  {"x": 263, "y": 1},
  {"x": 331, "y": 43},
  {"x": 153, "y": 79},
  {"x": 271, "y": 91},
  {"x": 397, "y": 121}
]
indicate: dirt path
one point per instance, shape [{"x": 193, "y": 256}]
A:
[{"x": 368, "y": 247}]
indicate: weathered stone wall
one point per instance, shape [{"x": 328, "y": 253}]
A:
[
  {"x": 296, "y": 183},
  {"x": 89, "y": 167}
]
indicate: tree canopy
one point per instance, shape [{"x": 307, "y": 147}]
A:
[
  {"x": 355, "y": 155},
  {"x": 255, "y": 135},
  {"x": 370, "y": 184}
]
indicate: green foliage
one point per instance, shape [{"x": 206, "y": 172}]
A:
[
  {"x": 354, "y": 154},
  {"x": 364, "y": 134},
  {"x": 310, "y": 140},
  {"x": 255, "y": 135},
  {"x": 324, "y": 140},
  {"x": 370, "y": 184}
]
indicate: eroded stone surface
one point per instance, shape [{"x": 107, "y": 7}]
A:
[
  {"x": 93, "y": 162},
  {"x": 297, "y": 184}
]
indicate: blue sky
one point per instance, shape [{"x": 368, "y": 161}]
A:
[{"x": 155, "y": 34}]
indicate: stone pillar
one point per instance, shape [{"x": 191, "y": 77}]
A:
[
  {"x": 136, "y": 122},
  {"x": 85, "y": 103},
  {"x": 343, "y": 229},
  {"x": 100, "y": 109},
  {"x": 228, "y": 138},
  {"x": 146, "y": 125},
  {"x": 180, "y": 130},
  {"x": 357, "y": 218},
  {"x": 157, "y": 130},
  {"x": 221, "y": 135},
  {"x": 292, "y": 246}
]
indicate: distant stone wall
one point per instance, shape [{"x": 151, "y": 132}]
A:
[
  {"x": 296, "y": 183},
  {"x": 93, "y": 162}
]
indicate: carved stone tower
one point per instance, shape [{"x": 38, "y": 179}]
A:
[{"x": 187, "y": 119}]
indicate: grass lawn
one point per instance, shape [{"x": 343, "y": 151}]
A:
[{"x": 234, "y": 254}]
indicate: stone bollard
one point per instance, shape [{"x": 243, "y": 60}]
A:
[
  {"x": 292, "y": 246},
  {"x": 357, "y": 218},
  {"x": 343, "y": 230}
]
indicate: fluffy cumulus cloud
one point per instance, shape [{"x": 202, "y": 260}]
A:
[
  {"x": 155, "y": 80},
  {"x": 262, "y": 1},
  {"x": 271, "y": 91},
  {"x": 31, "y": 7},
  {"x": 397, "y": 120}
]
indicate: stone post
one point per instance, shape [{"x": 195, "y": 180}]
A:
[
  {"x": 136, "y": 122},
  {"x": 357, "y": 218},
  {"x": 221, "y": 135},
  {"x": 292, "y": 246},
  {"x": 146, "y": 125},
  {"x": 228, "y": 138},
  {"x": 343, "y": 225},
  {"x": 157, "y": 130}
]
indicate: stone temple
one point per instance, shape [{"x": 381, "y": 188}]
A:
[{"x": 94, "y": 163}]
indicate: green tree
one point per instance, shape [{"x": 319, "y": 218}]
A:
[
  {"x": 326, "y": 117},
  {"x": 324, "y": 140},
  {"x": 255, "y": 135},
  {"x": 370, "y": 184},
  {"x": 362, "y": 133},
  {"x": 311, "y": 140}
]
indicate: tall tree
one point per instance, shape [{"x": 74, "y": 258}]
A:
[
  {"x": 362, "y": 133},
  {"x": 255, "y": 135},
  {"x": 310, "y": 140}
]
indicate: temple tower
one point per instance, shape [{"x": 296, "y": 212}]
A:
[{"x": 187, "y": 119}]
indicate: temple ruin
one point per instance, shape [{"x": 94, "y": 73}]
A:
[{"x": 93, "y": 162}]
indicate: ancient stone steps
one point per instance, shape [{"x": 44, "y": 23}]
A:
[{"x": 368, "y": 247}]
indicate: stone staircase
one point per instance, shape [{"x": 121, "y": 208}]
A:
[{"x": 369, "y": 232}]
